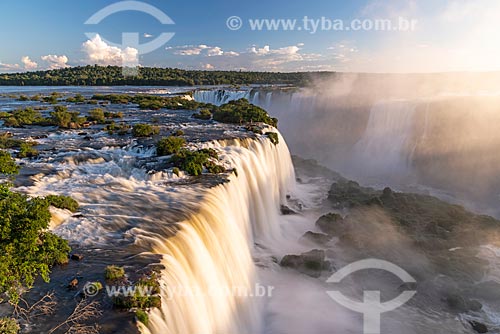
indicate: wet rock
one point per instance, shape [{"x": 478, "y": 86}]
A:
[
  {"x": 73, "y": 284},
  {"x": 285, "y": 210},
  {"x": 77, "y": 257},
  {"x": 319, "y": 238},
  {"x": 461, "y": 304},
  {"x": 332, "y": 224},
  {"x": 478, "y": 327},
  {"x": 311, "y": 263}
]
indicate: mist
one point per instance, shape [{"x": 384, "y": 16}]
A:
[{"x": 432, "y": 133}]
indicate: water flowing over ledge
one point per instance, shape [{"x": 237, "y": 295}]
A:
[{"x": 212, "y": 251}]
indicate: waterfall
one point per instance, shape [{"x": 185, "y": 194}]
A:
[
  {"x": 385, "y": 147},
  {"x": 212, "y": 251},
  {"x": 221, "y": 96},
  {"x": 365, "y": 139}
]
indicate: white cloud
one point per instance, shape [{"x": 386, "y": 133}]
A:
[
  {"x": 28, "y": 63},
  {"x": 231, "y": 54},
  {"x": 146, "y": 35},
  {"x": 9, "y": 67},
  {"x": 99, "y": 52},
  {"x": 55, "y": 62},
  {"x": 200, "y": 50},
  {"x": 254, "y": 58},
  {"x": 262, "y": 51},
  {"x": 216, "y": 51}
]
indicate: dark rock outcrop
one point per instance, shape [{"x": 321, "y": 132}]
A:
[
  {"x": 332, "y": 224},
  {"x": 318, "y": 238},
  {"x": 312, "y": 263},
  {"x": 478, "y": 327}
]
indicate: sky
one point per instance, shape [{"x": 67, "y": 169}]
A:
[{"x": 447, "y": 35}]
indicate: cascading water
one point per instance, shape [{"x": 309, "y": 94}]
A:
[
  {"x": 212, "y": 251},
  {"x": 385, "y": 147}
]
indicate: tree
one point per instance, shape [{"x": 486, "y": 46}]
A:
[{"x": 27, "y": 249}]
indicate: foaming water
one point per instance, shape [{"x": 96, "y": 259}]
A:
[{"x": 210, "y": 256}]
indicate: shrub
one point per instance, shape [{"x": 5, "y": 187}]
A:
[
  {"x": 169, "y": 145},
  {"x": 52, "y": 99},
  {"x": 176, "y": 171},
  {"x": 150, "y": 105},
  {"x": 65, "y": 119},
  {"x": 242, "y": 111},
  {"x": 192, "y": 162},
  {"x": 178, "y": 133},
  {"x": 215, "y": 169},
  {"x": 273, "y": 137},
  {"x": 114, "y": 273},
  {"x": 21, "y": 117},
  {"x": 9, "y": 326},
  {"x": 7, "y": 142},
  {"x": 97, "y": 115},
  {"x": 142, "y": 316},
  {"x": 122, "y": 129},
  {"x": 7, "y": 165},
  {"x": 108, "y": 114},
  {"x": 26, "y": 150},
  {"x": 145, "y": 130},
  {"x": 63, "y": 202},
  {"x": 204, "y": 114}
]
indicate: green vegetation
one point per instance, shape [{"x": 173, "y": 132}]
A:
[
  {"x": 7, "y": 165},
  {"x": 236, "y": 112},
  {"x": 66, "y": 119},
  {"x": 63, "y": 202},
  {"x": 7, "y": 142},
  {"x": 9, "y": 326},
  {"x": 142, "y": 316},
  {"x": 108, "y": 114},
  {"x": 242, "y": 111},
  {"x": 273, "y": 137},
  {"x": 97, "y": 115},
  {"x": 21, "y": 117},
  {"x": 169, "y": 145},
  {"x": 176, "y": 171},
  {"x": 114, "y": 273},
  {"x": 26, "y": 150},
  {"x": 178, "y": 133},
  {"x": 122, "y": 128},
  {"x": 145, "y": 130},
  {"x": 78, "y": 98},
  {"x": 113, "y": 76},
  {"x": 151, "y": 102},
  {"x": 27, "y": 248},
  {"x": 204, "y": 114},
  {"x": 192, "y": 162},
  {"x": 146, "y": 294}
]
